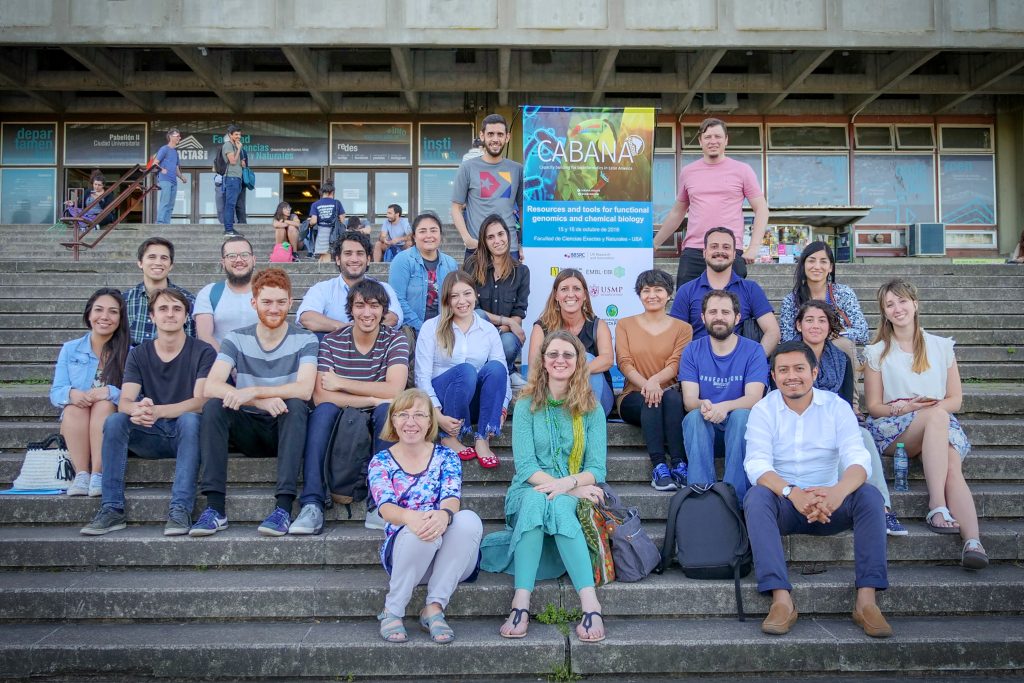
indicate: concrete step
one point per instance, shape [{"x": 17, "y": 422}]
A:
[
  {"x": 639, "y": 647},
  {"x": 203, "y": 595},
  {"x": 349, "y": 544},
  {"x": 334, "y": 650},
  {"x": 251, "y": 504}
]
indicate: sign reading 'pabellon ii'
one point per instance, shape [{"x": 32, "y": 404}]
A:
[{"x": 104, "y": 144}]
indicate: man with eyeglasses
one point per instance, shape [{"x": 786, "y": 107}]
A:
[
  {"x": 225, "y": 306},
  {"x": 170, "y": 174},
  {"x": 363, "y": 365}
]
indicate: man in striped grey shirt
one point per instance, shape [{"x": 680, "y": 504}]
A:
[{"x": 264, "y": 413}]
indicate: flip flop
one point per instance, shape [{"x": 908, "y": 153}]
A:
[
  {"x": 439, "y": 630},
  {"x": 944, "y": 511},
  {"x": 587, "y": 623},
  {"x": 488, "y": 462},
  {"x": 468, "y": 453},
  {"x": 973, "y": 555},
  {"x": 394, "y": 633},
  {"x": 517, "y": 618}
]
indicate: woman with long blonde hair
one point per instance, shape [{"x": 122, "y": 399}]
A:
[
  {"x": 559, "y": 441},
  {"x": 569, "y": 308},
  {"x": 460, "y": 364},
  {"x": 912, "y": 387}
]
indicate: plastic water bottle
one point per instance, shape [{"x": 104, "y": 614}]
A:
[{"x": 900, "y": 466}]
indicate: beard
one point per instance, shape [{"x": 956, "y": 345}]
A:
[
  {"x": 271, "y": 324},
  {"x": 238, "y": 280},
  {"x": 719, "y": 267},
  {"x": 720, "y": 331}
]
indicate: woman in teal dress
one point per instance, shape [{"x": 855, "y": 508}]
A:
[{"x": 559, "y": 442}]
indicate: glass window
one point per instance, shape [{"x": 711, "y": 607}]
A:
[
  {"x": 391, "y": 188},
  {"x": 28, "y": 196},
  {"x": 900, "y": 188},
  {"x": 807, "y": 137},
  {"x": 957, "y": 137},
  {"x": 808, "y": 180},
  {"x": 740, "y": 137},
  {"x": 351, "y": 188},
  {"x": 182, "y": 212},
  {"x": 873, "y": 137},
  {"x": 663, "y": 136},
  {"x": 664, "y": 181},
  {"x": 207, "y": 198},
  {"x": 263, "y": 201},
  {"x": 967, "y": 189},
  {"x": 436, "y": 191},
  {"x": 915, "y": 137}
]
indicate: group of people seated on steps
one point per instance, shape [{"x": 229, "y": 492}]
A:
[{"x": 165, "y": 374}]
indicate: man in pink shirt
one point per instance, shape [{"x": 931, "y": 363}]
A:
[{"x": 712, "y": 189}]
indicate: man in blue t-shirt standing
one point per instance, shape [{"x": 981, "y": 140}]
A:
[
  {"x": 170, "y": 174},
  {"x": 719, "y": 255},
  {"x": 326, "y": 214},
  {"x": 723, "y": 375}
]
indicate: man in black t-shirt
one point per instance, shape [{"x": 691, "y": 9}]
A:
[{"x": 158, "y": 415}]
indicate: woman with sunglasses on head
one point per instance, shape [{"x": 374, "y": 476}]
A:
[
  {"x": 912, "y": 388},
  {"x": 818, "y": 326},
  {"x": 559, "y": 442},
  {"x": 503, "y": 286},
  {"x": 417, "y": 486},
  {"x": 460, "y": 364},
  {"x": 86, "y": 386},
  {"x": 647, "y": 349},
  {"x": 569, "y": 308}
]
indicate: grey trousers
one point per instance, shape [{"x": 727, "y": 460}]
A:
[{"x": 440, "y": 564}]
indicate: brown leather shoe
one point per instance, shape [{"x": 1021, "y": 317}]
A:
[
  {"x": 871, "y": 620},
  {"x": 780, "y": 619}
]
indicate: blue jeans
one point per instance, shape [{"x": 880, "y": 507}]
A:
[
  {"x": 318, "y": 437},
  {"x": 512, "y": 346},
  {"x": 165, "y": 207},
  {"x": 770, "y": 517},
  {"x": 473, "y": 396},
  {"x": 232, "y": 190},
  {"x": 172, "y": 438},
  {"x": 602, "y": 390},
  {"x": 699, "y": 437}
]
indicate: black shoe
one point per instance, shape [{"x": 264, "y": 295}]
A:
[{"x": 232, "y": 233}]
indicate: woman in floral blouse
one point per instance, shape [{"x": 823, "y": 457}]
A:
[{"x": 417, "y": 487}]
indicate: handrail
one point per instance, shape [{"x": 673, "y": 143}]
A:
[{"x": 130, "y": 197}]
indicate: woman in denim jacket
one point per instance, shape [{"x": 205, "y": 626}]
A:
[
  {"x": 416, "y": 274},
  {"x": 86, "y": 385}
]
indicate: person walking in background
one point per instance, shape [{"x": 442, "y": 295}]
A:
[{"x": 170, "y": 174}]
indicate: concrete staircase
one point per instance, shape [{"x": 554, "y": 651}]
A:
[{"x": 135, "y": 604}]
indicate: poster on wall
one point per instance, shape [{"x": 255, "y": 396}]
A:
[
  {"x": 967, "y": 191},
  {"x": 443, "y": 144},
  {"x": 371, "y": 144},
  {"x": 587, "y": 181},
  {"x": 28, "y": 196},
  {"x": 104, "y": 144},
  {"x": 268, "y": 144},
  {"x": 25, "y": 144}
]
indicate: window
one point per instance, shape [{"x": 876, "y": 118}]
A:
[
  {"x": 807, "y": 137},
  {"x": 915, "y": 137},
  {"x": 966, "y": 138},
  {"x": 967, "y": 189},
  {"x": 740, "y": 137},
  {"x": 435, "y": 191},
  {"x": 664, "y": 138},
  {"x": 664, "y": 186},
  {"x": 900, "y": 188},
  {"x": 808, "y": 180},
  {"x": 873, "y": 137}
]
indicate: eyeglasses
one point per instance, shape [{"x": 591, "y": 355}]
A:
[
  {"x": 244, "y": 255},
  {"x": 405, "y": 417},
  {"x": 566, "y": 355}
]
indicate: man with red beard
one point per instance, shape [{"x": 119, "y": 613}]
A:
[{"x": 264, "y": 413}]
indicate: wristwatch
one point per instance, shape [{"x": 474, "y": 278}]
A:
[{"x": 786, "y": 490}]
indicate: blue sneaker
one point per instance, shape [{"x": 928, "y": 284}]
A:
[
  {"x": 276, "y": 524},
  {"x": 661, "y": 479},
  {"x": 210, "y": 522},
  {"x": 679, "y": 474},
  {"x": 893, "y": 527}
]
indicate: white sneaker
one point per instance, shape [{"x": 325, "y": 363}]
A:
[
  {"x": 96, "y": 485},
  {"x": 309, "y": 522},
  {"x": 517, "y": 381},
  {"x": 374, "y": 520},
  {"x": 80, "y": 486}
]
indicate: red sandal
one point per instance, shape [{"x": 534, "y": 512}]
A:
[
  {"x": 489, "y": 462},
  {"x": 467, "y": 454}
]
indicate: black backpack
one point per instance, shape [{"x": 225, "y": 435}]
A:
[
  {"x": 707, "y": 534},
  {"x": 348, "y": 456},
  {"x": 220, "y": 164}
]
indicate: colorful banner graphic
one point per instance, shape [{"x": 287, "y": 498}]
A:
[{"x": 587, "y": 194}]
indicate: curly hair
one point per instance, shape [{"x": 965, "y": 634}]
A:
[
  {"x": 834, "y": 328},
  {"x": 271, "y": 277},
  {"x": 579, "y": 397}
]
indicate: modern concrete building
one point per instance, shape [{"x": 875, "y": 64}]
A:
[{"x": 914, "y": 108}]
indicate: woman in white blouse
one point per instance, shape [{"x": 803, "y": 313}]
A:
[
  {"x": 460, "y": 363},
  {"x": 912, "y": 386}
]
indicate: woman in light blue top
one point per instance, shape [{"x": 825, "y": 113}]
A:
[
  {"x": 416, "y": 274},
  {"x": 86, "y": 385},
  {"x": 460, "y": 363}
]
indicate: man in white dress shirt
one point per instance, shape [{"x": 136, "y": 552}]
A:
[{"x": 797, "y": 439}]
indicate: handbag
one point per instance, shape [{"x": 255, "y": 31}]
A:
[
  {"x": 842, "y": 314},
  {"x": 248, "y": 178},
  {"x": 595, "y": 531},
  {"x": 633, "y": 552},
  {"x": 46, "y": 466}
]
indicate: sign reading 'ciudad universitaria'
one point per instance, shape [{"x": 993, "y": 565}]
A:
[{"x": 587, "y": 202}]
